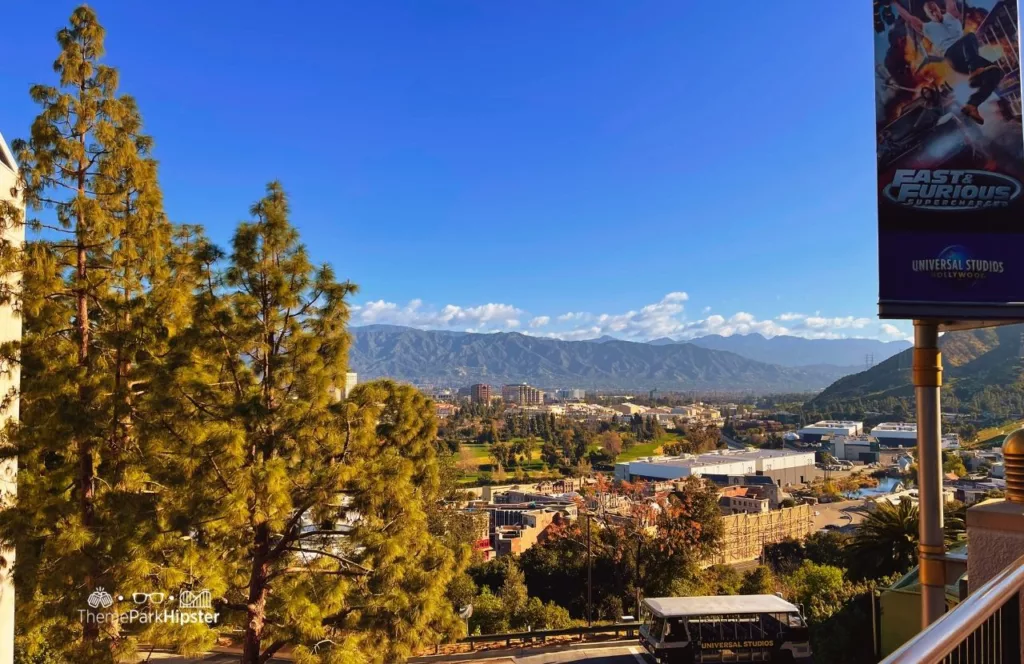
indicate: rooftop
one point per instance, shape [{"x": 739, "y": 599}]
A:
[
  {"x": 721, "y": 605},
  {"x": 895, "y": 426},
  {"x": 834, "y": 424},
  {"x": 719, "y": 457}
]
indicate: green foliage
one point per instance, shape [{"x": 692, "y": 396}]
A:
[
  {"x": 886, "y": 541},
  {"x": 783, "y": 557},
  {"x": 274, "y": 469},
  {"x": 953, "y": 463},
  {"x": 502, "y": 454},
  {"x": 103, "y": 286},
  {"x": 177, "y": 429},
  {"x": 820, "y": 588},
  {"x": 512, "y": 609},
  {"x": 827, "y": 547},
  {"x": 611, "y": 444},
  {"x": 488, "y": 614},
  {"x": 625, "y": 559},
  {"x": 758, "y": 581},
  {"x": 722, "y": 580}
]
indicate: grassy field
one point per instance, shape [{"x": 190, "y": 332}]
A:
[
  {"x": 993, "y": 436},
  {"x": 647, "y": 449}
]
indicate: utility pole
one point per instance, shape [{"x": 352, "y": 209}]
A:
[
  {"x": 639, "y": 541},
  {"x": 931, "y": 549},
  {"x": 590, "y": 579}
]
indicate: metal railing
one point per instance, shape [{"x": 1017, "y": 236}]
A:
[
  {"x": 983, "y": 629},
  {"x": 628, "y": 629}
]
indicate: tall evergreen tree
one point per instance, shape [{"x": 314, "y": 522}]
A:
[
  {"x": 85, "y": 504},
  {"x": 308, "y": 516}
]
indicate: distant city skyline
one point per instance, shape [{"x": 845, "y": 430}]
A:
[{"x": 529, "y": 166}]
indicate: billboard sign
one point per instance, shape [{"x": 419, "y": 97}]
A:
[{"x": 950, "y": 152}]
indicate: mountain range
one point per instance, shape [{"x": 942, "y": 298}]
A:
[
  {"x": 607, "y": 363},
  {"x": 797, "y": 351},
  {"x": 972, "y": 360}
]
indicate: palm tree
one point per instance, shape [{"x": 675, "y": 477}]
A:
[{"x": 886, "y": 541}]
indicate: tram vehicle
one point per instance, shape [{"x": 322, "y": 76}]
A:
[{"x": 728, "y": 628}]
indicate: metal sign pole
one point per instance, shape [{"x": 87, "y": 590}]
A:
[{"x": 927, "y": 384}]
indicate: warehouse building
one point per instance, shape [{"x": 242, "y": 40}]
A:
[
  {"x": 782, "y": 466},
  {"x": 813, "y": 433}
]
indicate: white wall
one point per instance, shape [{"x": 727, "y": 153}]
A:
[{"x": 10, "y": 330}]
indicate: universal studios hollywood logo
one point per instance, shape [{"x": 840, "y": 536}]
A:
[
  {"x": 945, "y": 189},
  {"x": 956, "y": 263},
  {"x": 187, "y": 607}
]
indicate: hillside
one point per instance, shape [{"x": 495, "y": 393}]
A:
[
  {"x": 439, "y": 356},
  {"x": 972, "y": 361},
  {"x": 797, "y": 352}
]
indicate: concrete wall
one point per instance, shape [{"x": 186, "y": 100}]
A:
[
  {"x": 794, "y": 475},
  {"x": 10, "y": 330}
]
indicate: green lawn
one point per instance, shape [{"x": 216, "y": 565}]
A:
[
  {"x": 993, "y": 436},
  {"x": 648, "y": 449},
  {"x": 477, "y": 452}
]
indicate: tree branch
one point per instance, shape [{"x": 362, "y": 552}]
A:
[
  {"x": 345, "y": 561},
  {"x": 273, "y": 648}
]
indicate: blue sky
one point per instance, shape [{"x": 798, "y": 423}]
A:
[{"x": 571, "y": 168}]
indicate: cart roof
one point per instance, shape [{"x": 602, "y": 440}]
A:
[{"x": 671, "y": 607}]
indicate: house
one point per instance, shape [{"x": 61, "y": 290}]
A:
[{"x": 742, "y": 500}]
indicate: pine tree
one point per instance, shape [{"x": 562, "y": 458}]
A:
[
  {"x": 308, "y": 517},
  {"x": 85, "y": 506}
]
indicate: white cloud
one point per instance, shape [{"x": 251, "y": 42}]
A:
[
  {"x": 664, "y": 318},
  {"x": 893, "y": 332},
  {"x": 414, "y": 314},
  {"x": 819, "y": 323}
]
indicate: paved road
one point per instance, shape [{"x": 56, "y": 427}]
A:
[
  {"x": 843, "y": 513},
  {"x": 624, "y": 655},
  {"x": 732, "y": 444}
]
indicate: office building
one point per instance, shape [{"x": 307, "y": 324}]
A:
[
  {"x": 339, "y": 393},
  {"x": 904, "y": 434},
  {"x": 523, "y": 395},
  {"x": 480, "y": 393},
  {"x": 571, "y": 395},
  {"x": 813, "y": 433}
]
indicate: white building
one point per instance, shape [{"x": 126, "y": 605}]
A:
[
  {"x": 896, "y": 434},
  {"x": 10, "y": 330},
  {"x": 783, "y": 466},
  {"x": 815, "y": 432},
  {"x": 628, "y": 408},
  {"x": 570, "y": 395},
  {"x": 339, "y": 393}
]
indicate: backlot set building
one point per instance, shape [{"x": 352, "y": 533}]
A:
[{"x": 782, "y": 466}]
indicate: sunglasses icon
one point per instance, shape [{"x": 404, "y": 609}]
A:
[{"x": 142, "y": 598}]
